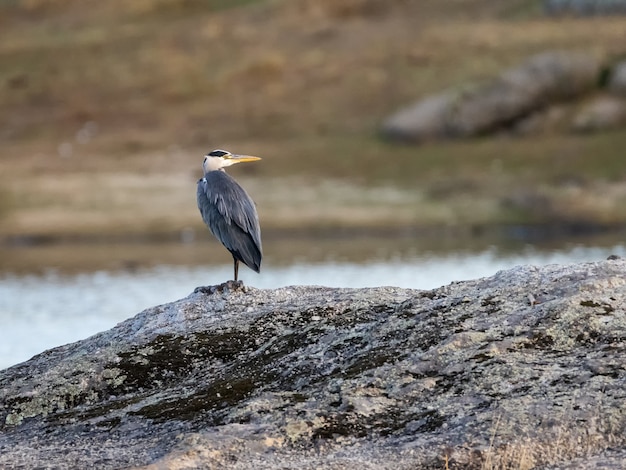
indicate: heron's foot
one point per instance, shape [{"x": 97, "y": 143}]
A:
[{"x": 228, "y": 286}]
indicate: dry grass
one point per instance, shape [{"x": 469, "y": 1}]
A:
[
  {"x": 111, "y": 202},
  {"x": 527, "y": 453},
  {"x": 303, "y": 83},
  {"x": 511, "y": 447}
]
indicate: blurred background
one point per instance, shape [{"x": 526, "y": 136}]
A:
[{"x": 404, "y": 142}]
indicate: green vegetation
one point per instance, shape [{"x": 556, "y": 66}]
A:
[{"x": 106, "y": 109}]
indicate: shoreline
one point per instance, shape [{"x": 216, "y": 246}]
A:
[
  {"x": 521, "y": 232},
  {"x": 73, "y": 255}
]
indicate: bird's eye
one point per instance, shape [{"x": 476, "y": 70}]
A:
[{"x": 206, "y": 158}]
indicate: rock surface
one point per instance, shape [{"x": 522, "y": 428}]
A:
[{"x": 519, "y": 370}]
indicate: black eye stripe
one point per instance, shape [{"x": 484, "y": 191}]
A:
[{"x": 218, "y": 153}]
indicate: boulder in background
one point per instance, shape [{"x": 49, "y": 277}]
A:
[{"x": 543, "y": 79}]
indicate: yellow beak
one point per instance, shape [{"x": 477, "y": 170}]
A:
[{"x": 241, "y": 158}]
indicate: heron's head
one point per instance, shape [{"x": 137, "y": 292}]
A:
[{"x": 218, "y": 159}]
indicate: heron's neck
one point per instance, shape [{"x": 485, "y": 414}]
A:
[
  {"x": 206, "y": 172},
  {"x": 214, "y": 164}
]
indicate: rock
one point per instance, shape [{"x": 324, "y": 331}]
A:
[
  {"x": 519, "y": 92},
  {"x": 552, "y": 118},
  {"x": 602, "y": 113},
  {"x": 617, "y": 79},
  {"x": 426, "y": 120},
  {"x": 522, "y": 369},
  {"x": 585, "y": 7}
]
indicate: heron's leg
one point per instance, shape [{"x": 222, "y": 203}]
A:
[{"x": 236, "y": 267}]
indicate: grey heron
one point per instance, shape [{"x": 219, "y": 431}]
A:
[{"x": 228, "y": 211}]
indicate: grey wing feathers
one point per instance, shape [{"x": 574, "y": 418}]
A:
[{"x": 231, "y": 216}]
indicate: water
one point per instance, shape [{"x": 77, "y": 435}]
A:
[{"x": 41, "y": 311}]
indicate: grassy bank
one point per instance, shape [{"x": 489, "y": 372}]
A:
[{"x": 106, "y": 110}]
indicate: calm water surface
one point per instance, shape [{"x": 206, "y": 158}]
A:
[{"x": 62, "y": 302}]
